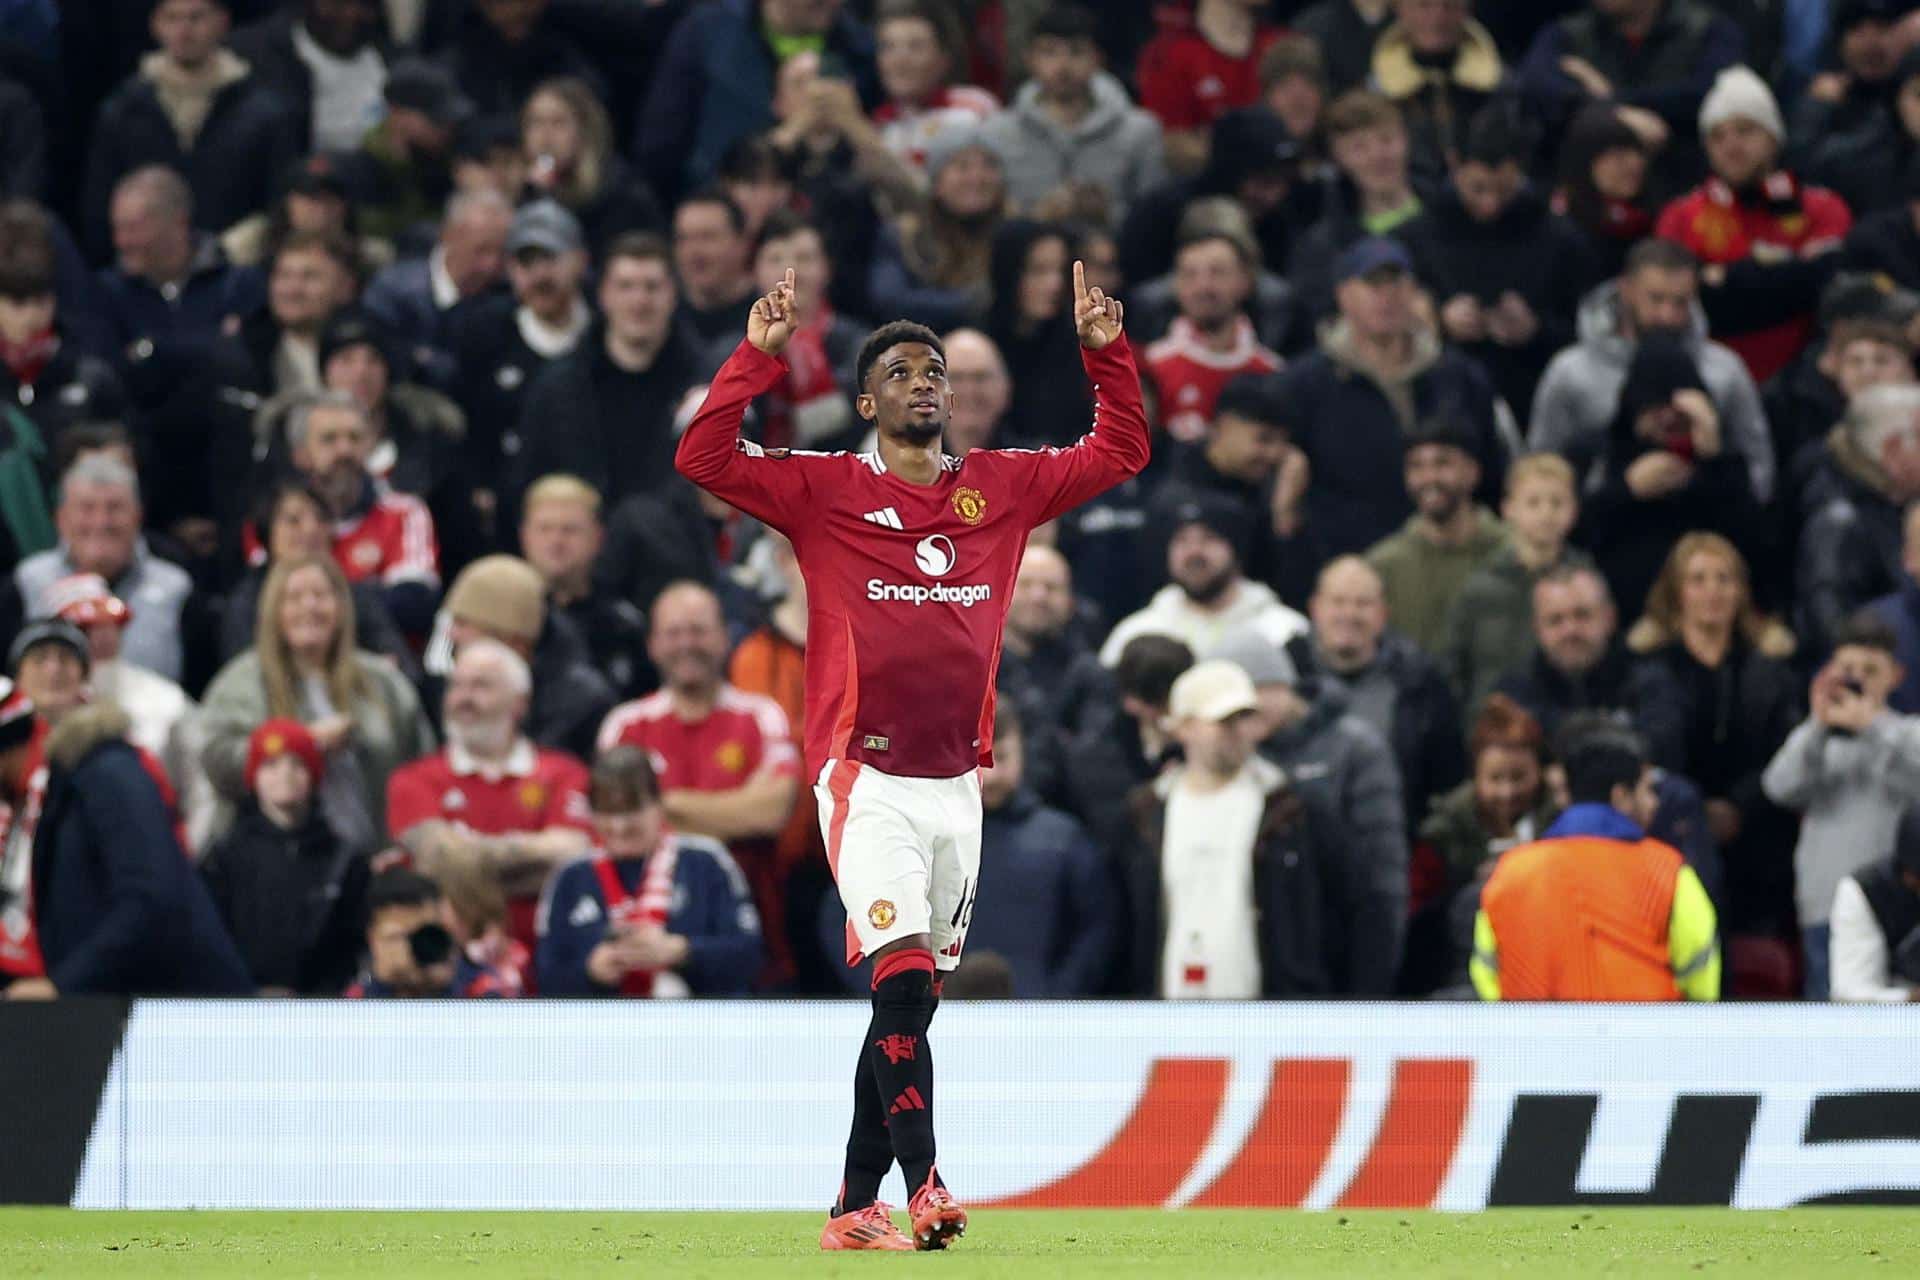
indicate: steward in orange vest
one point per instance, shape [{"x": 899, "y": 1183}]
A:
[{"x": 1596, "y": 910}]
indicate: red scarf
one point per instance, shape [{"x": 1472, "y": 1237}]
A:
[
  {"x": 648, "y": 907},
  {"x": 809, "y": 379},
  {"x": 28, "y": 358},
  {"x": 19, "y": 940}
]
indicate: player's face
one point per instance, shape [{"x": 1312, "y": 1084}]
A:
[
  {"x": 633, "y": 834},
  {"x": 907, "y": 395}
]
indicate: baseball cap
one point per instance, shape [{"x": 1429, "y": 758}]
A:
[
  {"x": 547, "y": 226},
  {"x": 16, "y": 716},
  {"x": 1374, "y": 253},
  {"x": 283, "y": 737},
  {"x": 1212, "y": 690},
  {"x": 1221, "y": 515},
  {"x": 85, "y": 600},
  {"x": 415, "y": 84},
  {"x": 1265, "y": 662},
  {"x": 50, "y": 631}
]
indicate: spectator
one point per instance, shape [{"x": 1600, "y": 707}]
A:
[
  {"x": 1193, "y": 73},
  {"x": 23, "y": 142},
  {"x": 1294, "y": 88},
  {"x": 1344, "y": 774},
  {"x": 415, "y": 297},
  {"x": 1867, "y": 167},
  {"x": 1489, "y": 629},
  {"x": 715, "y": 80},
  {"x": 982, "y": 392},
  {"x": 710, "y": 260},
  {"x": 1072, "y": 124},
  {"x": 1440, "y": 67},
  {"x": 1580, "y": 664},
  {"x": 606, "y": 411},
  {"x": 653, "y": 912},
  {"x": 411, "y": 951},
  {"x": 932, "y": 264},
  {"x": 1423, "y": 567},
  {"x": 1059, "y": 923},
  {"x": 170, "y": 287},
  {"x": 1346, "y": 31},
  {"x": 198, "y": 108},
  {"x": 363, "y": 715},
  {"x": 1372, "y": 194},
  {"x": 1393, "y": 687},
  {"x": 1900, "y": 610},
  {"x": 1595, "y": 910},
  {"x": 1029, "y": 322},
  {"x": 487, "y": 156},
  {"x": 506, "y": 49},
  {"x": 491, "y": 804},
  {"x": 1050, "y": 669},
  {"x": 378, "y": 534},
  {"x": 501, "y": 345},
  {"x": 162, "y": 717},
  {"x": 277, "y": 349},
  {"x": 1887, "y": 241},
  {"x": 1603, "y": 186},
  {"x": 118, "y": 909},
  {"x": 1738, "y": 702},
  {"x": 1503, "y": 803},
  {"x": 1857, "y": 85},
  {"x": 504, "y": 597},
  {"x": 1222, "y": 874},
  {"x": 1865, "y": 345},
  {"x": 1852, "y": 768},
  {"x": 292, "y": 523},
  {"x": 1868, "y": 473},
  {"x": 812, "y": 407},
  {"x": 1209, "y": 596},
  {"x": 561, "y": 536},
  {"x": 729, "y": 767},
  {"x": 1506, "y": 272},
  {"x": 98, "y": 520},
  {"x": 326, "y": 62},
  {"x": 1379, "y": 371},
  {"x": 22, "y": 738},
  {"x": 48, "y": 382},
  {"x": 1873, "y": 923},
  {"x": 405, "y": 161},
  {"x": 1211, "y": 340},
  {"x": 314, "y": 196},
  {"x": 1579, "y": 395},
  {"x": 1654, "y": 59},
  {"x": 289, "y": 891},
  {"x": 571, "y": 158},
  {"x": 1102, "y": 765},
  {"x": 1766, "y": 240},
  {"x": 920, "y": 52}
]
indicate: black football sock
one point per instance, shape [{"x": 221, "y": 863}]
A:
[
  {"x": 869, "y": 1149},
  {"x": 902, "y": 1062}
]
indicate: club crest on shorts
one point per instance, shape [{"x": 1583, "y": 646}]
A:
[
  {"x": 881, "y": 914},
  {"x": 969, "y": 504}
]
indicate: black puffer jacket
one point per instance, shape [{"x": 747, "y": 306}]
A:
[
  {"x": 1850, "y": 548},
  {"x": 292, "y": 900}
]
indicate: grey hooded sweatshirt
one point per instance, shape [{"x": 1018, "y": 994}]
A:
[{"x": 1116, "y": 146}]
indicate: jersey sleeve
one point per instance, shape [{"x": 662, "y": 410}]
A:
[
  {"x": 410, "y": 800},
  {"x": 415, "y": 553},
  {"x": 770, "y": 485},
  {"x": 567, "y": 804},
  {"x": 1115, "y": 448},
  {"x": 779, "y": 754}
]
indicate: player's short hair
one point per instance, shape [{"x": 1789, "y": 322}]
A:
[
  {"x": 1149, "y": 665},
  {"x": 561, "y": 487},
  {"x": 1550, "y": 467},
  {"x": 400, "y": 887},
  {"x": 622, "y": 781},
  {"x": 888, "y": 335}
]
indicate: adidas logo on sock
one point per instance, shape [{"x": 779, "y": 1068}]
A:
[
  {"x": 885, "y": 517},
  {"x": 908, "y": 1101}
]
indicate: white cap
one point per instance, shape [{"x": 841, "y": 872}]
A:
[
  {"x": 1740, "y": 94},
  {"x": 1212, "y": 690}
]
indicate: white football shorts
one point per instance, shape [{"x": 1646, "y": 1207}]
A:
[{"x": 905, "y": 853}]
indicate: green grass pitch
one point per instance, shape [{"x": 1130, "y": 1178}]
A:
[{"x": 738, "y": 1246}]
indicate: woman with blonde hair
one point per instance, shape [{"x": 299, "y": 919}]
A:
[
  {"x": 567, "y": 139},
  {"x": 1738, "y": 701},
  {"x": 364, "y": 716}
]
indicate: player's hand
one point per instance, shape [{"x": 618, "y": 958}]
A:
[
  {"x": 774, "y": 318},
  {"x": 1096, "y": 317}
]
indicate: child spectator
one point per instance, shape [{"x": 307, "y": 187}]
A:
[
  {"x": 411, "y": 950},
  {"x": 289, "y": 889}
]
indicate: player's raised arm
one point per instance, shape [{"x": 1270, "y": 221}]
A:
[{"x": 767, "y": 486}]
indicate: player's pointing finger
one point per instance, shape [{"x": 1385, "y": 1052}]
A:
[
  {"x": 1079, "y": 280},
  {"x": 790, "y": 284}
]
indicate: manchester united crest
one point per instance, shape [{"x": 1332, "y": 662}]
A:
[
  {"x": 881, "y": 914},
  {"x": 969, "y": 504},
  {"x": 731, "y": 756},
  {"x": 533, "y": 796}
]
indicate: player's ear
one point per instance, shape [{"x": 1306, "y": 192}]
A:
[{"x": 864, "y": 406}]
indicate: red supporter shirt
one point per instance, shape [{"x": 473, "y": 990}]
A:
[
  {"x": 537, "y": 790},
  {"x": 744, "y": 733},
  {"x": 1189, "y": 84},
  {"x": 907, "y": 585},
  {"x": 1188, "y": 374},
  {"x": 1790, "y": 222},
  {"x": 392, "y": 541}
]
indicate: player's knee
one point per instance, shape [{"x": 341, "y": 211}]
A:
[{"x": 903, "y": 981}]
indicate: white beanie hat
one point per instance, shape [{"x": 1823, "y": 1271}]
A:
[{"x": 1738, "y": 93}]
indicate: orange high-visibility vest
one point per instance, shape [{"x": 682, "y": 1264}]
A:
[{"x": 1583, "y": 918}]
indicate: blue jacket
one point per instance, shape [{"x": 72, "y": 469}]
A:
[
  {"x": 714, "y": 83},
  {"x": 712, "y": 908},
  {"x": 1052, "y": 908},
  {"x": 1901, "y": 611},
  {"x": 117, "y": 904}
]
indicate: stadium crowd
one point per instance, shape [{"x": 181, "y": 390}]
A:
[{"x": 1521, "y": 371}]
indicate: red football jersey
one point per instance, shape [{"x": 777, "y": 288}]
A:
[
  {"x": 1188, "y": 375},
  {"x": 743, "y": 733},
  {"x": 1189, "y": 84},
  {"x": 907, "y": 585},
  {"x": 392, "y": 541}
]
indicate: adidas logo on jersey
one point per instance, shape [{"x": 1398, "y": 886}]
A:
[{"x": 886, "y": 518}]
